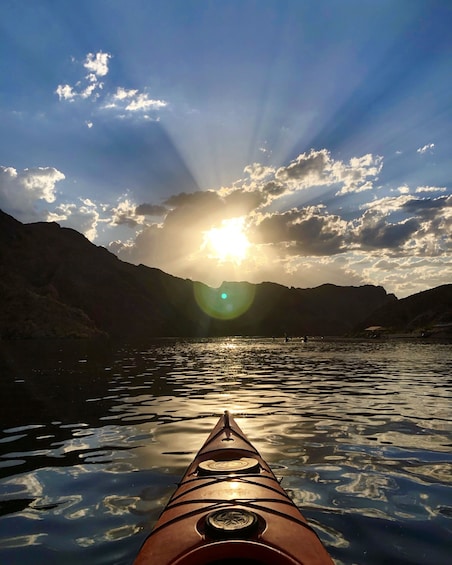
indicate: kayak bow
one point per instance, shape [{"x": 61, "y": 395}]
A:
[{"x": 230, "y": 508}]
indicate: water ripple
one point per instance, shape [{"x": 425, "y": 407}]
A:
[{"x": 95, "y": 440}]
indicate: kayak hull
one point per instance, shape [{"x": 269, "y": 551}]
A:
[{"x": 230, "y": 508}]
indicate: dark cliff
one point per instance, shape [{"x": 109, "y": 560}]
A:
[{"x": 428, "y": 312}]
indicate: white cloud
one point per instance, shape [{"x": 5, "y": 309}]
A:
[
  {"x": 89, "y": 90},
  {"x": 359, "y": 174},
  {"x": 318, "y": 168},
  {"x": 388, "y": 204},
  {"x": 21, "y": 190},
  {"x": 125, "y": 214},
  {"x": 308, "y": 169},
  {"x": 82, "y": 216},
  {"x": 124, "y": 101},
  {"x": 131, "y": 100},
  {"x": 97, "y": 63},
  {"x": 66, "y": 92},
  {"x": 407, "y": 275},
  {"x": 256, "y": 171},
  {"x": 430, "y": 189},
  {"x": 123, "y": 93},
  {"x": 143, "y": 102},
  {"x": 429, "y": 147}
]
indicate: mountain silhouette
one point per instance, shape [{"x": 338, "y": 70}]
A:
[{"x": 55, "y": 283}]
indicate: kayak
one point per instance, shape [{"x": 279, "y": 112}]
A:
[{"x": 230, "y": 508}]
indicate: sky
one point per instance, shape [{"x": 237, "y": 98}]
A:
[{"x": 290, "y": 141}]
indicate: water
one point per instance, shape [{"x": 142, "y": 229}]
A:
[{"x": 93, "y": 439}]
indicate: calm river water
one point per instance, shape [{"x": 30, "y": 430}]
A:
[{"x": 93, "y": 439}]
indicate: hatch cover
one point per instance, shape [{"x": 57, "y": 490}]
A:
[
  {"x": 231, "y": 522},
  {"x": 242, "y": 465}
]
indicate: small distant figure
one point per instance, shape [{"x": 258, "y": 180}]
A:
[{"x": 305, "y": 339}]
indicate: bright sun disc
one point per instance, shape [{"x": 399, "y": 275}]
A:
[{"x": 228, "y": 242}]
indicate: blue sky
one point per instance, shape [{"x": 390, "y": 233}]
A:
[{"x": 290, "y": 141}]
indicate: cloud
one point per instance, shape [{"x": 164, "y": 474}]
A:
[
  {"x": 395, "y": 225},
  {"x": 65, "y": 92},
  {"x": 308, "y": 169},
  {"x": 410, "y": 206},
  {"x": 175, "y": 244},
  {"x": 208, "y": 208},
  {"x": 359, "y": 174},
  {"x": 388, "y": 204},
  {"x": 97, "y": 65},
  {"x": 125, "y": 214},
  {"x": 82, "y": 216},
  {"x": 20, "y": 191},
  {"x": 421, "y": 226},
  {"x": 164, "y": 247},
  {"x": 133, "y": 101},
  {"x": 150, "y": 210},
  {"x": 430, "y": 189},
  {"x": 374, "y": 232},
  {"x": 240, "y": 202},
  {"x": 426, "y": 148},
  {"x": 318, "y": 168},
  {"x": 408, "y": 274},
  {"x": 256, "y": 171},
  {"x": 203, "y": 200},
  {"x": 123, "y": 102},
  {"x": 308, "y": 231},
  {"x": 427, "y": 206}
]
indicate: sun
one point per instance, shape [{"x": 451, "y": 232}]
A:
[{"x": 228, "y": 242}]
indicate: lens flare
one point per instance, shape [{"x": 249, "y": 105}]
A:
[{"x": 229, "y": 301}]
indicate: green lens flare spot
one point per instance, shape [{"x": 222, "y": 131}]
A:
[{"x": 227, "y": 302}]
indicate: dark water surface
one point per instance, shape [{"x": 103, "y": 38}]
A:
[{"x": 93, "y": 439}]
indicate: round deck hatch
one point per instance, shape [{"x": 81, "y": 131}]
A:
[
  {"x": 243, "y": 465},
  {"x": 231, "y": 522}
]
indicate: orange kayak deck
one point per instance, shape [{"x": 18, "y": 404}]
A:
[{"x": 230, "y": 508}]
